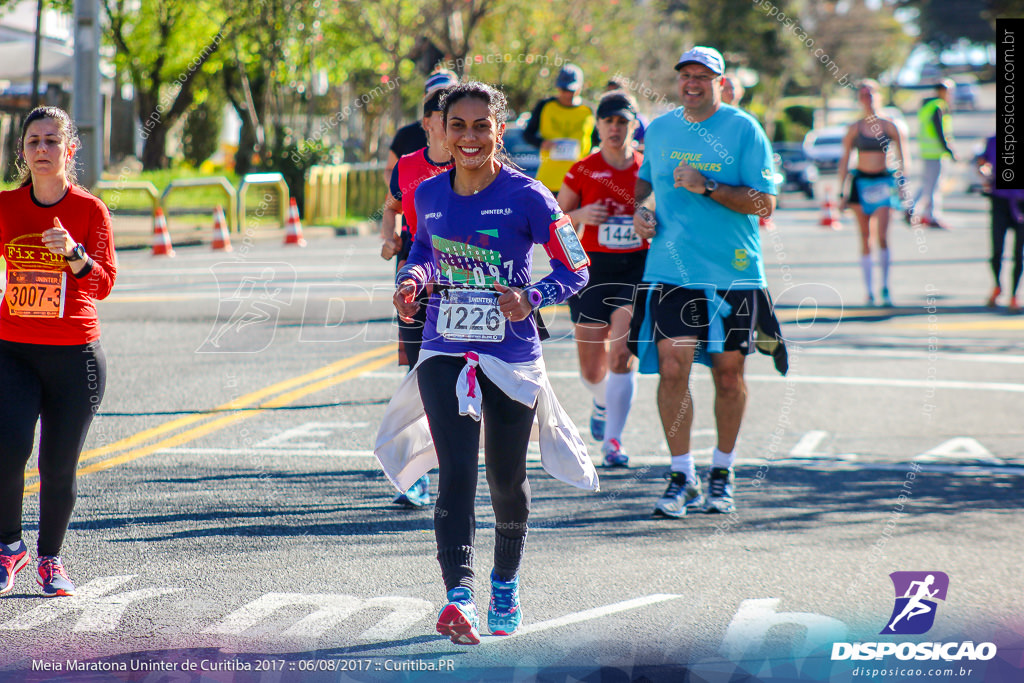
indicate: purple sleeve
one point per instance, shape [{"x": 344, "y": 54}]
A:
[
  {"x": 420, "y": 267},
  {"x": 561, "y": 283},
  {"x": 990, "y": 150}
]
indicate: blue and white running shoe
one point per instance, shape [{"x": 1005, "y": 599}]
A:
[
  {"x": 597, "y": 420},
  {"x": 504, "y": 614},
  {"x": 418, "y": 494}
]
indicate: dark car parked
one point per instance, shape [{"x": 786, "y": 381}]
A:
[
  {"x": 525, "y": 155},
  {"x": 799, "y": 171}
]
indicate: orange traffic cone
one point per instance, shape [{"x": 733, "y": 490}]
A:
[
  {"x": 829, "y": 217},
  {"x": 221, "y": 239},
  {"x": 293, "y": 232},
  {"x": 161, "y": 238}
]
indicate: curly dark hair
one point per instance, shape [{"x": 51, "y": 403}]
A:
[
  {"x": 68, "y": 134},
  {"x": 496, "y": 103}
]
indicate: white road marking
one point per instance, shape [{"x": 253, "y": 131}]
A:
[
  {"x": 748, "y": 629},
  {"x": 272, "y": 452},
  {"x": 294, "y": 436},
  {"x": 922, "y": 354},
  {"x": 960, "y": 448},
  {"x": 808, "y": 444},
  {"x": 838, "y": 461},
  {"x": 328, "y": 612},
  {"x": 99, "y": 614},
  {"x": 872, "y": 382},
  {"x": 586, "y": 615}
]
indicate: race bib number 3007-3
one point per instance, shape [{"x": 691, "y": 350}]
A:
[
  {"x": 35, "y": 293},
  {"x": 470, "y": 315}
]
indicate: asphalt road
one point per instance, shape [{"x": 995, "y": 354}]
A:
[{"x": 232, "y": 524}]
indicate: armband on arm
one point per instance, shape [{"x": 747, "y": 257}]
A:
[{"x": 564, "y": 246}]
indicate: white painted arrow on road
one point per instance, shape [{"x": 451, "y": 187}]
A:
[{"x": 100, "y": 613}]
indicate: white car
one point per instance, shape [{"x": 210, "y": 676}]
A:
[{"x": 824, "y": 146}]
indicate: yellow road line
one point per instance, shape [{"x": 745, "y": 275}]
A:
[
  {"x": 245, "y": 401},
  {"x": 224, "y": 421}
]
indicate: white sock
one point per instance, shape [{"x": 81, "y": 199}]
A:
[
  {"x": 621, "y": 388},
  {"x": 720, "y": 459},
  {"x": 684, "y": 463},
  {"x": 884, "y": 261},
  {"x": 865, "y": 266},
  {"x": 598, "y": 390}
]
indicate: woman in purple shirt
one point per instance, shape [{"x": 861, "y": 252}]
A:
[
  {"x": 477, "y": 225},
  {"x": 1007, "y": 215}
]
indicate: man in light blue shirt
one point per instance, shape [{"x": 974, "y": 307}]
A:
[{"x": 708, "y": 175}]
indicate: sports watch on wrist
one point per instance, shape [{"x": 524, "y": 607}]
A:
[
  {"x": 77, "y": 254},
  {"x": 534, "y": 297},
  {"x": 710, "y": 185}
]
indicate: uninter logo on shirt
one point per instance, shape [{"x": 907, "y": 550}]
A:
[
  {"x": 496, "y": 212},
  {"x": 436, "y": 214}
]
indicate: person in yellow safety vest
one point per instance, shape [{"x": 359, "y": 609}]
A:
[
  {"x": 935, "y": 136},
  {"x": 561, "y": 127}
]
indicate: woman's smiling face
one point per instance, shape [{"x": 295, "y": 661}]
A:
[{"x": 472, "y": 133}]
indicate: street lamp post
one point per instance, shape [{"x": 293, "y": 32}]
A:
[{"x": 87, "y": 102}]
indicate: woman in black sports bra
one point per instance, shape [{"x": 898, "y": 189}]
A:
[{"x": 878, "y": 176}]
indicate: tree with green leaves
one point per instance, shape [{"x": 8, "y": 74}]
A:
[{"x": 164, "y": 45}]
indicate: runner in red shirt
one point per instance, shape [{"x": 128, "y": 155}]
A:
[
  {"x": 598, "y": 196},
  {"x": 59, "y": 249}
]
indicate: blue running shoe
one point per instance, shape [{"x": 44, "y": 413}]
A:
[
  {"x": 458, "y": 619},
  {"x": 680, "y": 496},
  {"x": 720, "y": 487},
  {"x": 886, "y": 299},
  {"x": 614, "y": 454},
  {"x": 418, "y": 494},
  {"x": 11, "y": 562},
  {"x": 53, "y": 577},
  {"x": 504, "y": 614},
  {"x": 597, "y": 419}
]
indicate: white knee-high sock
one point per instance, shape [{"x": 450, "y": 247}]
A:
[
  {"x": 884, "y": 261},
  {"x": 865, "y": 266},
  {"x": 620, "y": 391},
  {"x": 599, "y": 390}
]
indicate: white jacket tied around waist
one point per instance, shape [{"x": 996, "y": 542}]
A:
[{"x": 405, "y": 448}]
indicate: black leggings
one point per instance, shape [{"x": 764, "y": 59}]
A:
[
  {"x": 1003, "y": 221},
  {"x": 457, "y": 442},
  {"x": 62, "y": 387}
]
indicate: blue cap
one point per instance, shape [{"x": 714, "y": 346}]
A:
[
  {"x": 570, "y": 78},
  {"x": 706, "y": 56},
  {"x": 442, "y": 79}
]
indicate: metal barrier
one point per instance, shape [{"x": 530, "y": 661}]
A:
[
  {"x": 119, "y": 186},
  {"x": 216, "y": 181},
  {"x": 334, "y": 192},
  {"x": 275, "y": 179},
  {"x": 326, "y": 195}
]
